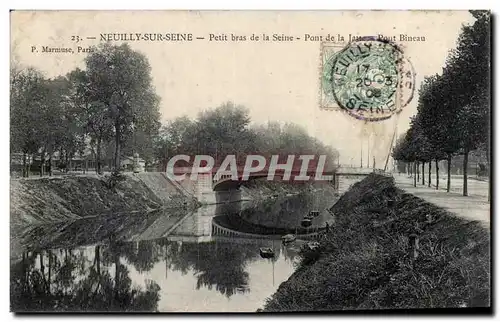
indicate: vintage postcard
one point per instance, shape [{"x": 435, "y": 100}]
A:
[{"x": 249, "y": 161}]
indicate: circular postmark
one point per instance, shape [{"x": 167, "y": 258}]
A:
[{"x": 371, "y": 79}]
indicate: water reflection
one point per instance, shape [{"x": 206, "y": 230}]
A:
[
  {"x": 167, "y": 261},
  {"x": 143, "y": 276},
  {"x": 91, "y": 279},
  {"x": 282, "y": 215}
]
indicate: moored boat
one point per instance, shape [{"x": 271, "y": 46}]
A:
[
  {"x": 288, "y": 238},
  {"x": 306, "y": 222},
  {"x": 313, "y": 213},
  {"x": 266, "y": 252}
]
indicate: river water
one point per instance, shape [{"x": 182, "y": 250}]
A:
[{"x": 163, "y": 261}]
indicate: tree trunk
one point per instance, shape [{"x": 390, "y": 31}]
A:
[
  {"x": 430, "y": 170},
  {"x": 50, "y": 165},
  {"x": 42, "y": 266},
  {"x": 415, "y": 174},
  {"x": 42, "y": 163},
  {"x": 448, "y": 184},
  {"x": 437, "y": 174},
  {"x": 423, "y": 173},
  {"x": 117, "y": 146},
  {"x": 24, "y": 166},
  {"x": 418, "y": 171},
  {"x": 98, "y": 157},
  {"x": 66, "y": 161},
  {"x": 61, "y": 159},
  {"x": 28, "y": 170},
  {"x": 466, "y": 161}
]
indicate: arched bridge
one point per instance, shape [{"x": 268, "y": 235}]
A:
[
  {"x": 226, "y": 182},
  {"x": 210, "y": 181}
]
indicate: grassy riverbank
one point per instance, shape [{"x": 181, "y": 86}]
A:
[{"x": 368, "y": 260}]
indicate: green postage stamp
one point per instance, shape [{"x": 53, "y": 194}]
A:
[{"x": 369, "y": 78}]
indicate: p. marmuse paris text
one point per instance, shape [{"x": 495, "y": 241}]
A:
[{"x": 63, "y": 50}]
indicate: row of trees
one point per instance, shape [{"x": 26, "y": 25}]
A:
[
  {"x": 111, "y": 109},
  {"x": 227, "y": 130},
  {"x": 100, "y": 106},
  {"x": 453, "y": 108}
]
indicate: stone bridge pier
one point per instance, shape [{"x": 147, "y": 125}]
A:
[{"x": 205, "y": 193}]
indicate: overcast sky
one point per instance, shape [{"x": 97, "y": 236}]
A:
[{"x": 276, "y": 81}]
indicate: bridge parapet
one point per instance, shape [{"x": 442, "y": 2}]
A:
[{"x": 218, "y": 230}]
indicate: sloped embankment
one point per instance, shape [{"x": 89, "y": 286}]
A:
[
  {"x": 368, "y": 260},
  {"x": 45, "y": 200}
]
